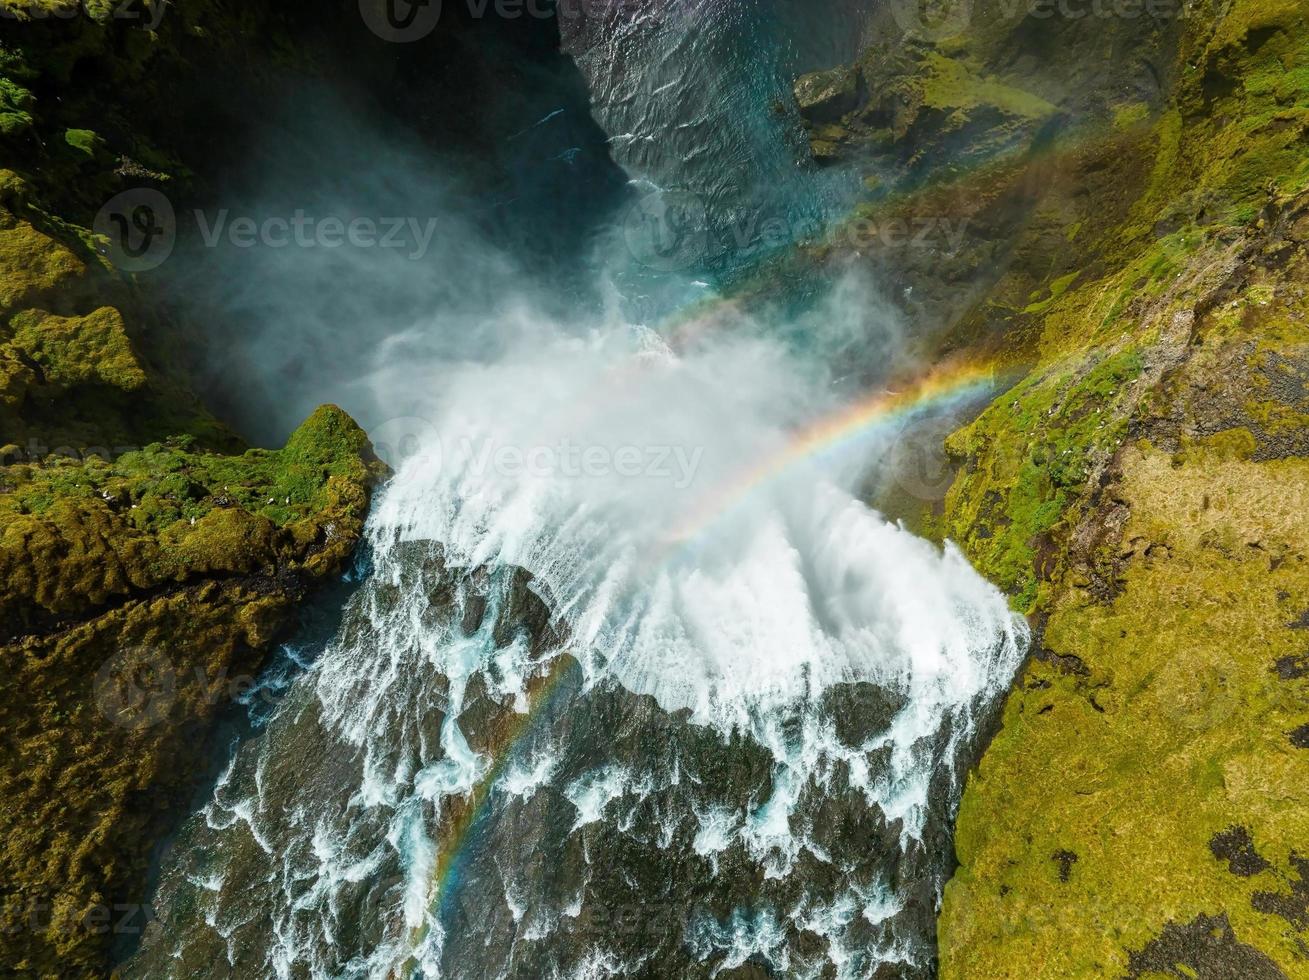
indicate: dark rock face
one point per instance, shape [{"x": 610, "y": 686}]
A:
[
  {"x": 1236, "y": 847},
  {"x": 641, "y": 888},
  {"x": 1293, "y": 904},
  {"x": 1292, "y": 668},
  {"x": 826, "y": 96},
  {"x": 599, "y": 828},
  {"x": 1300, "y": 737}
]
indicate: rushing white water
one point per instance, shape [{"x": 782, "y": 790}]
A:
[
  {"x": 738, "y": 610},
  {"x": 683, "y": 577}
]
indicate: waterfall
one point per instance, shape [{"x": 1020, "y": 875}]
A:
[
  {"x": 557, "y": 704},
  {"x": 634, "y": 681}
]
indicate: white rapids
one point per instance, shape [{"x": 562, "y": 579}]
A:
[{"x": 743, "y": 617}]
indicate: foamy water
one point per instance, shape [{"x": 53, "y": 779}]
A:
[{"x": 742, "y": 622}]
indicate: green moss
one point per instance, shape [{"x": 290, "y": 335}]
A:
[
  {"x": 187, "y": 561},
  {"x": 1166, "y": 581},
  {"x": 951, "y": 84},
  {"x": 1032, "y": 452},
  {"x": 79, "y": 350},
  {"x": 80, "y": 531},
  {"x": 32, "y": 264},
  {"x": 175, "y": 551},
  {"x": 1057, "y": 289},
  {"x": 84, "y": 142},
  {"x": 1131, "y": 114},
  {"x": 16, "y": 104}
]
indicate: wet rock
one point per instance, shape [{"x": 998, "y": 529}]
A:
[
  {"x": 1065, "y": 860},
  {"x": 1293, "y": 905},
  {"x": 523, "y": 611},
  {"x": 1292, "y": 668},
  {"x": 1236, "y": 847},
  {"x": 1207, "y": 948},
  {"x": 826, "y": 96},
  {"x": 862, "y": 711}
]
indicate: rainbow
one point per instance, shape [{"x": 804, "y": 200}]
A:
[
  {"x": 838, "y": 433},
  {"x": 841, "y": 432},
  {"x": 463, "y": 815}
]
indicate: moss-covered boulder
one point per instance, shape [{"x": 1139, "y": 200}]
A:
[
  {"x": 149, "y": 561},
  {"x": 140, "y": 596}
]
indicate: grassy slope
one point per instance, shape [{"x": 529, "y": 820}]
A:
[{"x": 1141, "y": 494}]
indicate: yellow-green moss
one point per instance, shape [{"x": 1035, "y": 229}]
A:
[
  {"x": 1031, "y": 454},
  {"x": 80, "y": 350},
  {"x": 1176, "y": 730},
  {"x": 949, "y": 83},
  {"x": 1165, "y": 569}
]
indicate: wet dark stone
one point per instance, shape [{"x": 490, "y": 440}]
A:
[
  {"x": 522, "y": 610},
  {"x": 1208, "y": 948},
  {"x": 841, "y": 820},
  {"x": 1292, "y": 668},
  {"x": 530, "y": 892},
  {"x": 483, "y": 718},
  {"x": 1065, "y": 860},
  {"x": 1065, "y": 663},
  {"x": 474, "y": 612},
  {"x": 1293, "y": 906},
  {"x": 1236, "y": 847},
  {"x": 1300, "y": 737},
  {"x": 861, "y": 711},
  {"x": 752, "y": 969},
  {"x": 828, "y": 95}
]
